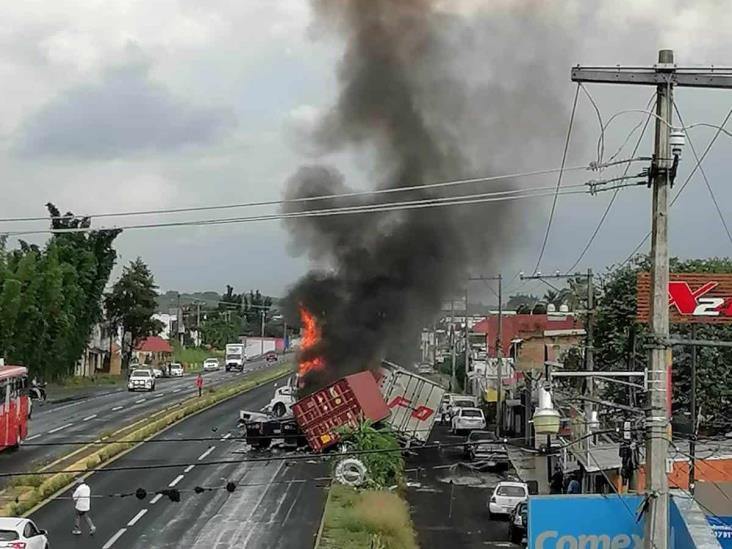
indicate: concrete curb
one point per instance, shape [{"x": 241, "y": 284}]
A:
[
  {"x": 319, "y": 536},
  {"x": 164, "y": 414}
]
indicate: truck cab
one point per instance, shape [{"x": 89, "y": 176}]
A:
[{"x": 282, "y": 400}]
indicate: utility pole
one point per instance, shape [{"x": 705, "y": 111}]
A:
[
  {"x": 198, "y": 323},
  {"x": 664, "y": 75},
  {"x": 589, "y": 354},
  {"x": 453, "y": 379},
  {"x": 499, "y": 348},
  {"x": 499, "y": 356},
  {"x": 261, "y": 339},
  {"x": 692, "y": 406},
  {"x": 467, "y": 343}
]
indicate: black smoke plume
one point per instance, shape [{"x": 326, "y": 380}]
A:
[{"x": 402, "y": 106}]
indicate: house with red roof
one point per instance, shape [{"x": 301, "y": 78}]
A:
[{"x": 153, "y": 350}]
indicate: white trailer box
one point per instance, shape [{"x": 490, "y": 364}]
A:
[
  {"x": 256, "y": 346},
  {"x": 414, "y": 401}
]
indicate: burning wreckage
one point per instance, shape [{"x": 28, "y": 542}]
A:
[{"x": 389, "y": 395}]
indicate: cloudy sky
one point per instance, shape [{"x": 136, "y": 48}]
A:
[{"x": 112, "y": 106}]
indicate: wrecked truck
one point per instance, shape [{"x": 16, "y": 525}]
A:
[{"x": 392, "y": 396}]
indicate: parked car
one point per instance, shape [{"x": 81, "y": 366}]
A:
[
  {"x": 157, "y": 372},
  {"x": 461, "y": 401},
  {"x": 467, "y": 419},
  {"x": 22, "y": 533},
  {"x": 506, "y": 496},
  {"x": 210, "y": 364},
  {"x": 270, "y": 357},
  {"x": 141, "y": 379},
  {"x": 484, "y": 446},
  {"x": 175, "y": 369},
  {"x": 517, "y": 522}
]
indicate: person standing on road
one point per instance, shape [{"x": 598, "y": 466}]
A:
[
  {"x": 199, "y": 384},
  {"x": 82, "y": 506}
]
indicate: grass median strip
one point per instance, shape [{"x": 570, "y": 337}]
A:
[
  {"x": 366, "y": 519},
  {"x": 27, "y": 491}
]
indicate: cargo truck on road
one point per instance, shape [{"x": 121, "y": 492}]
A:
[{"x": 235, "y": 357}]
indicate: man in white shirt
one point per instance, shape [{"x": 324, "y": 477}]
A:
[{"x": 82, "y": 505}]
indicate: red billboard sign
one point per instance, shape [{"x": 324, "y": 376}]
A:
[{"x": 702, "y": 298}]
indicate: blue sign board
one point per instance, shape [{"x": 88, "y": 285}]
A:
[
  {"x": 722, "y": 527},
  {"x": 583, "y": 521}
]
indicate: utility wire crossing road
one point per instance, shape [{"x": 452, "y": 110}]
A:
[{"x": 270, "y": 506}]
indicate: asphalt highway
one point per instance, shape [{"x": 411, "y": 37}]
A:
[
  {"x": 105, "y": 411},
  {"x": 275, "y": 503},
  {"x": 449, "y": 499}
]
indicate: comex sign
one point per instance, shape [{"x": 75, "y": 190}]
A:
[
  {"x": 551, "y": 540},
  {"x": 595, "y": 521},
  {"x": 584, "y": 522}
]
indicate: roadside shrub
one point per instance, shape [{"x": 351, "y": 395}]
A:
[{"x": 382, "y": 457}]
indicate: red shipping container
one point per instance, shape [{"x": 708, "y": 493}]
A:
[{"x": 346, "y": 402}]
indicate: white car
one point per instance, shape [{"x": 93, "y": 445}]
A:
[
  {"x": 468, "y": 419},
  {"x": 210, "y": 364},
  {"x": 22, "y": 533},
  {"x": 506, "y": 496},
  {"x": 157, "y": 372},
  {"x": 461, "y": 401},
  {"x": 176, "y": 369},
  {"x": 141, "y": 380}
]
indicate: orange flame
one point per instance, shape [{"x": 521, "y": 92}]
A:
[{"x": 310, "y": 337}]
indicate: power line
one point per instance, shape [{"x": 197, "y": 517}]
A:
[
  {"x": 351, "y": 194},
  {"x": 720, "y": 128},
  {"x": 704, "y": 175},
  {"x": 615, "y": 195},
  {"x": 601, "y": 138},
  {"x": 389, "y": 206},
  {"x": 559, "y": 179}
]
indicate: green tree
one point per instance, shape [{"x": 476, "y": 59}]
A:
[
  {"x": 131, "y": 305},
  {"x": 621, "y": 342},
  {"x": 521, "y": 301},
  {"x": 50, "y": 297}
]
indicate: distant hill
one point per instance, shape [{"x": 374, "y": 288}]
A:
[{"x": 169, "y": 300}]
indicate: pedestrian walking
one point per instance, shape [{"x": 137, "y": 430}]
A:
[
  {"x": 557, "y": 481},
  {"x": 199, "y": 384},
  {"x": 82, "y": 506}
]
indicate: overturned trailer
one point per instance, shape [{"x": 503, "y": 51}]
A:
[{"x": 391, "y": 396}]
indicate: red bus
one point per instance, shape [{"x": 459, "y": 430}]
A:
[{"x": 14, "y": 406}]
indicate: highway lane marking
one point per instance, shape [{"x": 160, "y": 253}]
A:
[
  {"x": 116, "y": 408},
  {"x": 137, "y": 517},
  {"x": 88, "y": 418},
  {"x": 206, "y": 453},
  {"x": 176, "y": 480},
  {"x": 227, "y": 435},
  {"x": 177, "y": 390},
  {"x": 188, "y": 469},
  {"x": 154, "y": 500},
  {"x": 57, "y": 429},
  {"x": 140, "y": 400},
  {"x": 114, "y": 538},
  {"x": 34, "y": 436},
  {"x": 156, "y": 395}
]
